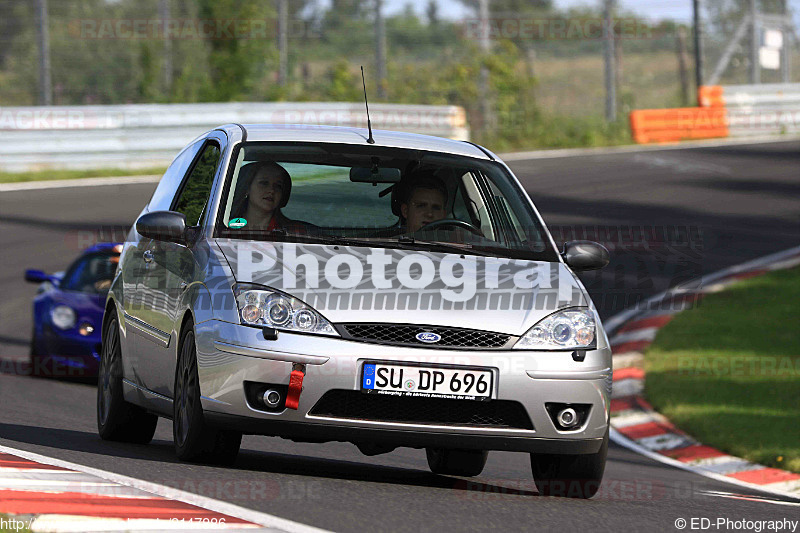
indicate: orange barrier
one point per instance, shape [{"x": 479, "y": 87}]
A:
[
  {"x": 711, "y": 96},
  {"x": 671, "y": 125}
]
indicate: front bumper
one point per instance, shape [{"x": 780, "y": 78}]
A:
[{"x": 230, "y": 354}]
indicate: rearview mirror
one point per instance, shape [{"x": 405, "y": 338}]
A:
[
  {"x": 37, "y": 276},
  {"x": 169, "y": 226},
  {"x": 375, "y": 175},
  {"x": 585, "y": 255}
]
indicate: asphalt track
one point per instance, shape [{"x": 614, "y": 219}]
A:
[{"x": 735, "y": 203}]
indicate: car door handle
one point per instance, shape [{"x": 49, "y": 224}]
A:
[{"x": 148, "y": 256}]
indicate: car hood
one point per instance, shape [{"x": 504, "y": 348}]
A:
[
  {"x": 361, "y": 284},
  {"x": 88, "y": 307}
]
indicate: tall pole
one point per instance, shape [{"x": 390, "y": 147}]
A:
[
  {"x": 163, "y": 8},
  {"x": 283, "y": 50},
  {"x": 683, "y": 70},
  {"x": 610, "y": 68},
  {"x": 786, "y": 67},
  {"x": 380, "y": 49},
  {"x": 45, "y": 82},
  {"x": 487, "y": 111},
  {"x": 755, "y": 44},
  {"x": 698, "y": 48}
]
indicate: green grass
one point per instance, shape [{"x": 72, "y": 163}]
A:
[
  {"x": 728, "y": 371},
  {"x": 39, "y": 175}
]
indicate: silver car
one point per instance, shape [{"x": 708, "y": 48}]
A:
[{"x": 319, "y": 284}]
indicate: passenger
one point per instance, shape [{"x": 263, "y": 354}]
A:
[
  {"x": 263, "y": 188},
  {"x": 424, "y": 201}
]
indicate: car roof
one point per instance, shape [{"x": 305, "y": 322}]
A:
[
  {"x": 102, "y": 247},
  {"x": 344, "y": 135}
]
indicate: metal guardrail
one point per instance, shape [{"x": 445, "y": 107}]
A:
[
  {"x": 764, "y": 109},
  {"x": 147, "y": 135}
]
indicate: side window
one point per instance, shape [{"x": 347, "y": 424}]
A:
[
  {"x": 197, "y": 187},
  {"x": 92, "y": 274},
  {"x": 165, "y": 192}
]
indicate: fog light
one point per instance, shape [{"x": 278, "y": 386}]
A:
[
  {"x": 568, "y": 417},
  {"x": 271, "y": 398},
  {"x": 86, "y": 329}
]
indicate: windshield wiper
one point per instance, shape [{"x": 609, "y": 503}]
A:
[{"x": 459, "y": 248}]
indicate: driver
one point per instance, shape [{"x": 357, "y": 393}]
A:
[{"x": 424, "y": 202}]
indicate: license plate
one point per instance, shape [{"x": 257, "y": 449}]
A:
[{"x": 427, "y": 382}]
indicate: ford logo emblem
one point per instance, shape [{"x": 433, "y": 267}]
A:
[{"x": 427, "y": 336}]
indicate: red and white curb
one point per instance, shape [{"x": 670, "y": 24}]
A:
[
  {"x": 637, "y": 426},
  {"x": 51, "y": 495}
]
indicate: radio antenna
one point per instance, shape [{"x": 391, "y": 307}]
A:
[{"x": 369, "y": 124}]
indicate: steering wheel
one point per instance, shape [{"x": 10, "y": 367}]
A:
[{"x": 451, "y": 222}]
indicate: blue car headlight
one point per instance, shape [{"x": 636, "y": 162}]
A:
[
  {"x": 260, "y": 306},
  {"x": 568, "y": 329},
  {"x": 63, "y": 317}
]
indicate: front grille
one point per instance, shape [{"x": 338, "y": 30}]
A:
[
  {"x": 356, "y": 405},
  {"x": 405, "y": 334}
]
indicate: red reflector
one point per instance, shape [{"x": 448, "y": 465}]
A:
[{"x": 295, "y": 388}]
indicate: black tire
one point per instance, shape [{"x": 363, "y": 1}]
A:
[
  {"x": 117, "y": 419},
  {"x": 466, "y": 463},
  {"x": 194, "y": 440},
  {"x": 571, "y": 476}
]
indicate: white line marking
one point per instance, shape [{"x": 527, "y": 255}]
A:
[
  {"x": 625, "y": 442},
  {"x": 78, "y": 524},
  {"x": 643, "y": 334},
  {"x": 627, "y": 387},
  {"x": 81, "y": 182},
  {"x": 628, "y": 148},
  {"x": 628, "y": 360},
  {"x": 731, "y": 495},
  {"x": 264, "y": 519}
]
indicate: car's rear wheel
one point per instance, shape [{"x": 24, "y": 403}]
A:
[
  {"x": 571, "y": 476},
  {"x": 194, "y": 439},
  {"x": 117, "y": 419},
  {"x": 465, "y": 463}
]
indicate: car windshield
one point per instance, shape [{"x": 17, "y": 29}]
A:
[
  {"x": 92, "y": 273},
  {"x": 378, "y": 197}
]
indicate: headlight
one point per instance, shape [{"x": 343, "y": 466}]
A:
[
  {"x": 259, "y": 306},
  {"x": 63, "y": 317},
  {"x": 570, "y": 329}
]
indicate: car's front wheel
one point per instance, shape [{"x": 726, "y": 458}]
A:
[
  {"x": 571, "y": 476},
  {"x": 117, "y": 419},
  {"x": 465, "y": 463},
  {"x": 194, "y": 439}
]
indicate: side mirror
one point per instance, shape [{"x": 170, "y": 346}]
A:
[
  {"x": 585, "y": 255},
  {"x": 37, "y": 276},
  {"x": 166, "y": 226}
]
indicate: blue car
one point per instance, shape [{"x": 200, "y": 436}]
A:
[{"x": 68, "y": 313}]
